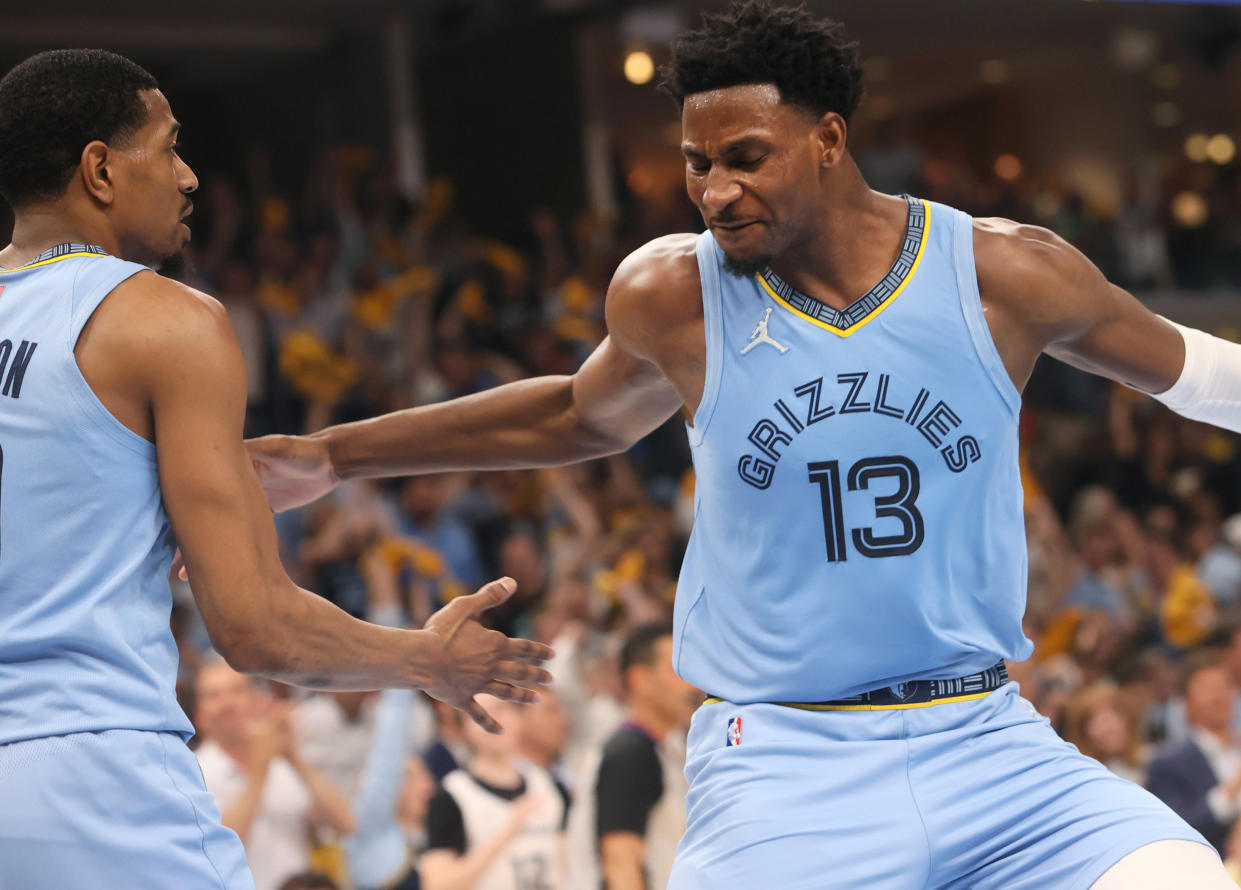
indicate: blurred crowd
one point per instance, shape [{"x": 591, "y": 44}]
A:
[
  {"x": 351, "y": 300},
  {"x": 1169, "y": 224}
]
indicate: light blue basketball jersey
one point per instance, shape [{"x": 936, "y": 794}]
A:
[
  {"x": 85, "y": 544},
  {"x": 858, "y": 509}
]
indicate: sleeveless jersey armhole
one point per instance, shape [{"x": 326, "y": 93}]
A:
[
  {"x": 713, "y": 330},
  {"x": 84, "y": 305},
  {"x": 971, "y": 308}
]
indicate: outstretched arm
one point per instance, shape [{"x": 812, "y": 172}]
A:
[
  {"x": 1043, "y": 295},
  {"x": 615, "y": 398},
  {"x": 181, "y": 353},
  {"x": 610, "y": 403}
]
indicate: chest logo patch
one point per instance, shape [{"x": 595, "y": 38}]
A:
[{"x": 761, "y": 335}]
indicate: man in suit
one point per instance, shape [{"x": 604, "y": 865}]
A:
[{"x": 1200, "y": 776}]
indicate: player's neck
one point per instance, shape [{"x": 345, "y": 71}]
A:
[
  {"x": 853, "y": 242},
  {"x": 42, "y": 226},
  {"x": 499, "y": 770}
]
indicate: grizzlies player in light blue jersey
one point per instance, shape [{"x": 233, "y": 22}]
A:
[
  {"x": 122, "y": 396},
  {"x": 849, "y": 364}
]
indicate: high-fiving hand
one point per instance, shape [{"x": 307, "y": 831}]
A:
[{"x": 473, "y": 660}]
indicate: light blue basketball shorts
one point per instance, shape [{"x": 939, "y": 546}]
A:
[
  {"x": 115, "y": 810},
  {"x": 960, "y": 795}
]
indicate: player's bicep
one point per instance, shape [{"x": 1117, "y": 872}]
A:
[
  {"x": 213, "y": 499},
  {"x": 1063, "y": 305},
  {"x": 1124, "y": 341},
  {"x": 621, "y": 395}
]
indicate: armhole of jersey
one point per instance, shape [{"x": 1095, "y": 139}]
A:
[
  {"x": 83, "y": 307},
  {"x": 971, "y": 308},
  {"x": 713, "y": 329}
]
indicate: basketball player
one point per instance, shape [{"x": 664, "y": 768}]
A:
[
  {"x": 856, "y": 574},
  {"x": 121, "y": 414}
]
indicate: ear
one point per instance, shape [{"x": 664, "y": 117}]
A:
[
  {"x": 831, "y": 135},
  {"x": 95, "y": 169}
]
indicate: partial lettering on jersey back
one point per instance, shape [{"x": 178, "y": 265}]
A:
[{"x": 85, "y": 544}]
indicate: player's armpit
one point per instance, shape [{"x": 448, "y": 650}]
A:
[
  {"x": 1043, "y": 295},
  {"x": 620, "y": 392}
]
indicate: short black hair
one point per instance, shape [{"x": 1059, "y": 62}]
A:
[
  {"x": 55, "y": 103},
  {"x": 810, "y": 60},
  {"x": 639, "y": 647}
]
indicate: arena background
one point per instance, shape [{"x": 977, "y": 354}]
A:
[{"x": 404, "y": 202}]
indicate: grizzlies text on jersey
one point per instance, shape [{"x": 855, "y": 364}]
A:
[{"x": 858, "y": 511}]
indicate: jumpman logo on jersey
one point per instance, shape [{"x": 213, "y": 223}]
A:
[{"x": 760, "y": 335}]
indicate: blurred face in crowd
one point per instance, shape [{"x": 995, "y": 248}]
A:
[
  {"x": 544, "y": 728},
  {"x": 224, "y": 702},
  {"x": 423, "y": 496},
  {"x": 658, "y": 687},
  {"x": 1108, "y": 731},
  {"x": 508, "y": 715},
  {"x": 150, "y": 187},
  {"x": 752, "y": 168},
  {"x": 522, "y": 561},
  {"x": 1209, "y": 699},
  {"x": 1098, "y": 547}
]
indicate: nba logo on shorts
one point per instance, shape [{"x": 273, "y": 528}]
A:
[{"x": 734, "y": 732}]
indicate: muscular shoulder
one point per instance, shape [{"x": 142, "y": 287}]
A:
[
  {"x": 154, "y": 304},
  {"x": 1033, "y": 275},
  {"x": 654, "y": 289},
  {"x": 164, "y": 329}
]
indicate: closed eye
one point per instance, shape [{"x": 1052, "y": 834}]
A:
[{"x": 749, "y": 164}]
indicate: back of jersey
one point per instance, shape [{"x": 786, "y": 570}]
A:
[{"x": 85, "y": 544}]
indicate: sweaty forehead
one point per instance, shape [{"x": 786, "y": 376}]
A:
[
  {"x": 158, "y": 112},
  {"x": 730, "y": 113}
]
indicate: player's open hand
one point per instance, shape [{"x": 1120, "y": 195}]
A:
[
  {"x": 472, "y": 659},
  {"x": 293, "y": 470}
]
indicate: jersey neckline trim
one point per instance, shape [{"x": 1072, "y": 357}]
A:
[
  {"x": 863, "y": 310},
  {"x": 57, "y": 253}
]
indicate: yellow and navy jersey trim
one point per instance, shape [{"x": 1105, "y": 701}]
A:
[
  {"x": 846, "y": 322},
  {"x": 826, "y": 706},
  {"x": 58, "y": 253},
  {"x": 911, "y": 694}
]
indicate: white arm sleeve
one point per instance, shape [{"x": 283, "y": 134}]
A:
[{"x": 1209, "y": 388}]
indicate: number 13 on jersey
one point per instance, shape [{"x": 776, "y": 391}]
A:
[{"x": 899, "y": 505}]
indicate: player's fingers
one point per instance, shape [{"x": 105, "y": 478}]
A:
[
  {"x": 481, "y": 717},
  {"x": 528, "y": 650},
  {"x": 490, "y": 595},
  {"x": 521, "y": 674},
  {"x": 511, "y": 693}
]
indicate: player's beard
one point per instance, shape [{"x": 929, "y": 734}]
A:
[
  {"x": 747, "y": 267},
  {"x": 177, "y": 266}
]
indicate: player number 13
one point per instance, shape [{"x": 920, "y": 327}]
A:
[{"x": 898, "y": 505}]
